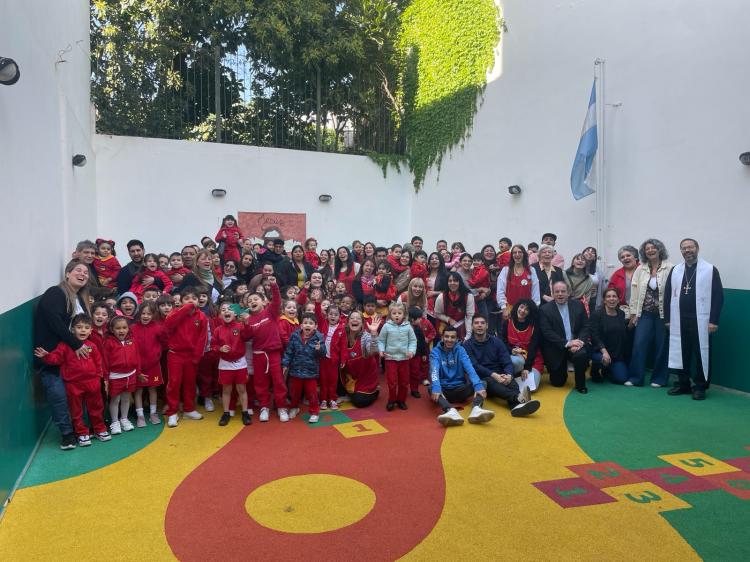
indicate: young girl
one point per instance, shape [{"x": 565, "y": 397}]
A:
[
  {"x": 479, "y": 283},
  {"x": 208, "y": 366},
  {"x": 397, "y": 344},
  {"x": 228, "y": 342},
  {"x": 151, "y": 338},
  {"x": 288, "y": 321},
  {"x": 329, "y": 324},
  {"x": 149, "y": 276},
  {"x": 121, "y": 365},
  {"x": 229, "y": 238},
  {"x": 385, "y": 290},
  {"x": 419, "y": 265},
  {"x": 105, "y": 263},
  {"x": 311, "y": 252},
  {"x": 127, "y": 303}
]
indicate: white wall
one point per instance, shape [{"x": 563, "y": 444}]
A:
[
  {"x": 679, "y": 69},
  {"x": 160, "y": 192},
  {"x": 44, "y": 120}
]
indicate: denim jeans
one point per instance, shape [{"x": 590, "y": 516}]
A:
[
  {"x": 617, "y": 371},
  {"x": 54, "y": 389},
  {"x": 649, "y": 331}
]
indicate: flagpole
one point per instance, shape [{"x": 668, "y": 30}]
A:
[{"x": 601, "y": 192}]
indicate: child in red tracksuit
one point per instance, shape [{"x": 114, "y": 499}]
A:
[
  {"x": 122, "y": 364},
  {"x": 150, "y": 270},
  {"x": 100, "y": 315},
  {"x": 187, "y": 333},
  {"x": 385, "y": 288},
  {"x": 264, "y": 328},
  {"x": 288, "y": 322},
  {"x": 311, "y": 252},
  {"x": 332, "y": 326},
  {"x": 231, "y": 237},
  {"x": 419, "y": 266},
  {"x": 177, "y": 270},
  {"x": 82, "y": 377},
  {"x": 105, "y": 263},
  {"x": 419, "y": 365},
  {"x": 479, "y": 281},
  {"x": 151, "y": 337},
  {"x": 207, "y": 370},
  {"x": 228, "y": 341}
]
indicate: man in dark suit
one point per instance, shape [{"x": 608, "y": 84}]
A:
[{"x": 565, "y": 337}]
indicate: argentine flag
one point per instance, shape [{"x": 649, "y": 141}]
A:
[{"x": 583, "y": 177}]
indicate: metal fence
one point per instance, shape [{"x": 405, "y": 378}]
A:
[{"x": 186, "y": 98}]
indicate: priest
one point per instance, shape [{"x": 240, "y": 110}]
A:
[{"x": 692, "y": 314}]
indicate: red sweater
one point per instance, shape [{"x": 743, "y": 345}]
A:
[
  {"x": 151, "y": 340},
  {"x": 187, "y": 331},
  {"x": 332, "y": 350},
  {"x": 480, "y": 278},
  {"x": 313, "y": 258},
  {"x": 75, "y": 369},
  {"x": 287, "y": 327},
  {"x": 121, "y": 356},
  {"x": 264, "y": 325},
  {"x": 419, "y": 270},
  {"x": 503, "y": 259},
  {"x": 180, "y": 271},
  {"x": 98, "y": 340},
  {"x": 137, "y": 287},
  {"x": 387, "y": 294},
  {"x": 428, "y": 330},
  {"x": 234, "y": 334},
  {"x": 230, "y": 235},
  {"x": 396, "y": 265},
  {"x": 107, "y": 270}
]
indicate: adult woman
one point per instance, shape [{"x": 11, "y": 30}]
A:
[
  {"x": 364, "y": 282},
  {"x": 359, "y": 360},
  {"x": 578, "y": 280},
  {"x": 594, "y": 268},
  {"x": 521, "y": 336},
  {"x": 547, "y": 273},
  {"x": 455, "y": 306},
  {"x": 621, "y": 279},
  {"x": 516, "y": 281},
  {"x": 52, "y": 317},
  {"x": 437, "y": 280},
  {"x": 246, "y": 269},
  {"x": 302, "y": 269},
  {"x": 609, "y": 341},
  {"x": 464, "y": 267},
  {"x": 203, "y": 275},
  {"x": 327, "y": 259},
  {"x": 403, "y": 277},
  {"x": 230, "y": 273},
  {"x": 646, "y": 309},
  {"x": 345, "y": 268},
  {"x": 369, "y": 250},
  {"x": 415, "y": 295}
]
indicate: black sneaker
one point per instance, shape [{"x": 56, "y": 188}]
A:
[
  {"x": 416, "y": 394},
  {"x": 246, "y": 418},
  {"x": 68, "y": 442},
  {"x": 677, "y": 390},
  {"x": 390, "y": 406},
  {"x": 699, "y": 394},
  {"x": 402, "y": 406},
  {"x": 225, "y": 417}
]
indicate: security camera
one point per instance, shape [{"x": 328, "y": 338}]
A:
[{"x": 9, "y": 71}]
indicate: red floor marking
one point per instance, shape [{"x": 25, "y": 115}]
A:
[{"x": 206, "y": 517}]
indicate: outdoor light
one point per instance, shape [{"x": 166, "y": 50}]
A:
[
  {"x": 325, "y": 198},
  {"x": 79, "y": 160},
  {"x": 9, "y": 71},
  {"x": 218, "y": 192},
  {"x": 745, "y": 158},
  {"x": 514, "y": 190}
]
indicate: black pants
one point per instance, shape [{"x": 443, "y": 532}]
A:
[
  {"x": 507, "y": 392},
  {"x": 691, "y": 350},
  {"x": 558, "y": 367},
  {"x": 362, "y": 400},
  {"x": 457, "y": 395}
]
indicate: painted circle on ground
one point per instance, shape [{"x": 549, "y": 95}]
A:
[{"x": 310, "y": 503}]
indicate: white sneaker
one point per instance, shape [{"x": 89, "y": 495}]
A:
[
  {"x": 172, "y": 421},
  {"x": 656, "y": 385},
  {"x": 313, "y": 418},
  {"x": 126, "y": 425},
  {"x": 480, "y": 415},
  {"x": 324, "y": 405},
  {"x": 194, "y": 415},
  {"x": 140, "y": 421},
  {"x": 451, "y": 417},
  {"x": 84, "y": 441},
  {"x": 231, "y": 413},
  {"x": 114, "y": 428},
  {"x": 103, "y": 436},
  {"x": 263, "y": 415},
  {"x": 208, "y": 404},
  {"x": 283, "y": 415},
  {"x": 525, "y": 408},
  {"x": 293, "y": 413},
  {"x": 333, "y": 405},
  {"x": 627, "y": 383},
  {"x": 425, "y": 382}
]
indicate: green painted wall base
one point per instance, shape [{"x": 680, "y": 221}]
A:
[
  {"x": 728, "y": 354},
  {"x": 22, "y": 415}
]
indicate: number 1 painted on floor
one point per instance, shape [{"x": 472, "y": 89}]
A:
[{"x": 361, "y": 428}]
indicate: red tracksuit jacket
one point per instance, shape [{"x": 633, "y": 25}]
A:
[
  {"x": 107, "y": 270},
  {"x": 264, "y": 325},
  {"x": 480, "y": 278},
  {"x": 419, "y": 270},
  {"x": 151, "y": 340},
  {"x": 187, "y": 331},
  {"x": 137, "y": 288},
  {"x": 287, "y": 327},
  {"x": 72, "y": 368},
  {"x": 234, "y": 334},
  {"x": 332, "y": 350},
  {"x": 121, "y": 356}
]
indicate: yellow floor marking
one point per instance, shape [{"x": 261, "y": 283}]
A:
[
  {"x": 361, "y": 428},
  {"x": 648, "y": 496},
  {"x": 698, "y": 464}
]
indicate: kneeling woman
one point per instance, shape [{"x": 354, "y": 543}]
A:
[
  {"x": 359, "y": 360},
  {"x": 521, "y": 335},
  {"x": 609, "y": 339}
]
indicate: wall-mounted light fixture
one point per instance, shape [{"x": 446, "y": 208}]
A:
[
  {"x": 745, "y": 158},
  {"x": 325, "y": 198},
  {"x": 218, "y": 192},
  {"x": 9, "y": 71},
  {"x": 514, "y": 190},
  {"x": 79, "y": 160}
]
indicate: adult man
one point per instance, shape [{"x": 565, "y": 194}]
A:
[
  {"x": 189, "y": 253},
  {"x": 441, "y": 245},
  {"x": 565, "y": 336},
  {"x": 449, "y": 367},
  {"x": 417, "y": 243},
  {"x": 491, "y": 360},
  {"x": 86, "y": 252},
  {"x": 381, "y": 254},
  {"x": 549, "y": 239},
  {"x": 127, "y": 273},
  {"x": 695, "y": 299}
]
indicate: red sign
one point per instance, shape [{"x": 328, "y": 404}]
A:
[{"x": 261, "y": 227}]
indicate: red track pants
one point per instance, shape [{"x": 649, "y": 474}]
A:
[{"x": 182, "y": 373}]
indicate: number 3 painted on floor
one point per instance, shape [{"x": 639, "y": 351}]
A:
[{"x": 646, "y": 497}]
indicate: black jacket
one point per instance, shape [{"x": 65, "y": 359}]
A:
[
  {"x": 553, "y": 330},
  {"x": 52, "y": 321}
]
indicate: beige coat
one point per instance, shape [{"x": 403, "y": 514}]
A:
[{"x": 638, "y": 285}]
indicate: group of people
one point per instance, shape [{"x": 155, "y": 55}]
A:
[{"x": 267, "y": 329}]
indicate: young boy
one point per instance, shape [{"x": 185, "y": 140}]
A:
[
  {"x": 187, "y": 334},
  {"x": 301, "y": 362},
  {"x": 151, "y": 293},
  {"x": 419, "y": 365},
  {"x": 177, "y": 269},
  {"x": 370, "y": 311},
  {"x": 82, "y": 377},
  {"x": 228, "y": 341}
]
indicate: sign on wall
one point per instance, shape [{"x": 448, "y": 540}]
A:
[{"x": 261, "y": 227}]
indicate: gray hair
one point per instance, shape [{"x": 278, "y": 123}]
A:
[
  {"x": 543, "y": 247},
  {"x": 663, "y": 254},
  {"x": 85, "y": 245},
  {"x": 627, "y": 248}
]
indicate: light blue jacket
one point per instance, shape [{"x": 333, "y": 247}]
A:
[
  {"x": 397, "y": 340},
  {"x": 449, "y": 367}
]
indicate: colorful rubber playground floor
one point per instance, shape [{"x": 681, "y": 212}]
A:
[{"x": 618, "y": 474}]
